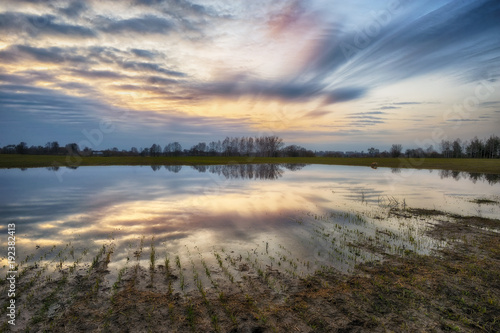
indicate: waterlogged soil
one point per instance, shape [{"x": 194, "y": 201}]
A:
[{"x": 454, "y": 288}]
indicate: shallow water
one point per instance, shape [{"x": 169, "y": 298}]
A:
[{"x": 297, "y": 218}]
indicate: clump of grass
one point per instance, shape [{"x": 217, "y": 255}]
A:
[
  {"x": 190, "y": 315},
  {"x": 167, "y": 266},
  {"x": 484, "y": 201},
  {"x": 207, "y": 270},
  {"x": 224, "y": 268},
  {"x": 152, "y": 256},
  {"x": 97, "y": 258}
]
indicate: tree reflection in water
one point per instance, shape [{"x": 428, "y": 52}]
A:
[
  {"x": 473, "y": 176},
  {"x": 249, "y": 171},
  {"x": 240, "y": 171}
]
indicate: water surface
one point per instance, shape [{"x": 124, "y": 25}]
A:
[{"x": 310, "y": 215}]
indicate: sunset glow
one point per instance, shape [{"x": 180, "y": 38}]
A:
[{"x": 327, "y": 75}]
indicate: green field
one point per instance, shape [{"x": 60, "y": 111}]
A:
[{"x": 491, "y": 166}]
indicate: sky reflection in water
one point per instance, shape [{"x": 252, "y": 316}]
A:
[{"x": 237, "y": 207}]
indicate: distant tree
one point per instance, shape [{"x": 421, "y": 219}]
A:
[
  {"x": 72, "y": 149},
  {"x": 176, "y": 148},
  {"x": 198, "y": 149},
  {"x": 155, "y": 150},
  {"x": 167, "y": 151},
  {"x": 430, "y": 152},
  {"x": 86, "y": 151},
  {"x": 54, "y": 147},
  {"x": 296, "y": 151},
  {"x": 134, "y": 151},
  {"x": 492, "y": 147},
  {"x": 372, "y": 152},
  {"x": 396, "y": 150},
  {"x": 475, "y": 149},
  {"x": 47, "y": 147},
  {"x": 446, "y": 148},
  {"x": 250, "y": 149},
  {"x": 274, "y": 145},
  {"x": 419, "y": 153},
  {"x": 226, "y": 146},
  {"x": 457, "y": 148},
  {"x": 242, "y": 146},
  {"x": 22, "y": 148},
  {"x": 291, "y": 151}
]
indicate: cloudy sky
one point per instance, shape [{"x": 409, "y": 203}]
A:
[{"x": 324, "y": 74}]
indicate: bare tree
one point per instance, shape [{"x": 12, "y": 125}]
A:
[
  {"x": 457, "y": 148},
  {"x": 396, "y": 150}
]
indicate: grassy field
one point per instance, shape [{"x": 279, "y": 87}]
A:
[{"x": 491, "y": 166}]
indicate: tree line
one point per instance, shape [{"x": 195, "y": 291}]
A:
[
  {"x": 267, "y": 146},
  {"x": 263, "y": 146}
]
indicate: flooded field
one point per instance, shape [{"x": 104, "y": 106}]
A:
[{"x": 185, "y": 243}]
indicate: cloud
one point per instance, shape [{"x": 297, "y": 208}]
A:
[
  {"x": 46, "y": 105},
  {"x": 237, "y": 86},
  {"x": 56, "y": 55},
  {"x": 96, "y": 74},
  {"x": 389, "y": 107},
  {"x": 150, "y": 67},
  {"x": 367, "y": 113},
  {"x": 75, "y": 8},
  {"x": 345, "y": 94},
  {"x": 181, "y": 54},
  {"x": 460, "y": 120},
  {"x": 491, "y": 104},
  {"x": 362, "y": 116},
  {"x": 416, "y": 40},
  {"x": 149, "y": 24},
  {"x": 371, "y": 112},
  {"x": 160, "y": 80},
  {"x": 316, "y": 114},
  {"x": 15, "y": 79},
  {"x": 143, "y": 53},
  {"x": 365, "y": 118},
  {"x": 40, "y": 25},
  {"x": 32, "y": 114}
]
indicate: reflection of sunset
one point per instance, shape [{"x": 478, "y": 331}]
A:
[
  {"x": 241, "y": 207},
  {"x": 124, "y": 203},
  {"x": 251, "y": 210}
]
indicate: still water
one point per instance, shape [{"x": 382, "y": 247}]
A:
[{"x": 309, "y": 213}]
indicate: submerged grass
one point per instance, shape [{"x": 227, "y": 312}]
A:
[{"x": 491, "y": 166}]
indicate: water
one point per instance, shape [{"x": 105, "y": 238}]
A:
[{"x": 294, "y": 218}]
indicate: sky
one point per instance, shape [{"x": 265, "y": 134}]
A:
[{"x": 326, "y": 75}]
